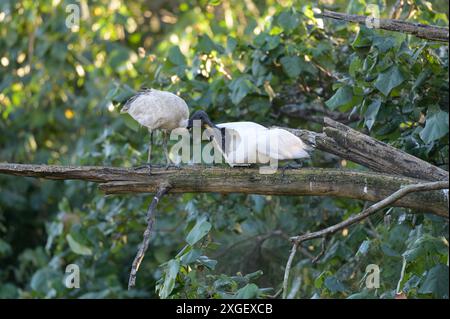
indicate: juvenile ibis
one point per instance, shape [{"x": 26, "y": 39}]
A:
[{"x": 158, "y": 110}]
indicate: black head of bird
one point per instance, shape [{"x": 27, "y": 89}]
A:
[
  {"x": 204, "y": 119},
  {"x": 205, "y": 122}
]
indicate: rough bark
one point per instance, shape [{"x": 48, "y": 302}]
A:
[
  {"x": 347, "y": 143},
  {"x": 423, "y": 31},
  {"x": 369, "y": 186}
]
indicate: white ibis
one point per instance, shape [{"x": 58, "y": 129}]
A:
[
  {"x": 158, "y": 110},
  {"x": 245, "y": 143}
]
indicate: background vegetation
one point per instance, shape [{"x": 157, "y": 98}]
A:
[{"x": 60, "y": 93}]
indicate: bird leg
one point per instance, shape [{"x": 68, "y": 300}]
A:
[
  {"x": 149, "y": 156},
  {"x": 291, "y": 165},
  {"x": 150, "y": 148},
  {"x": 169, "y": 162}
]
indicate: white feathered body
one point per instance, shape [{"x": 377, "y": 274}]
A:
[
  {"x": 156, "y": 109},
  {"x": 248, "y": 142}
]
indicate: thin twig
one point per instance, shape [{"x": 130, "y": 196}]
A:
[
  {"x": 372, "y": 209},
  {"x": 163, "y": 189},
  {"x": 322, "y": 250},
  {"x": 288, "y": 269},
  {"x": 402, "y": 274}
]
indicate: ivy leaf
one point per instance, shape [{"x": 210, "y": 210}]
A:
[
  {"x": 206, "y": 45},
  {"x": 78, "y": 248},
  {"x": 424, "y": 245},
  {"x": 389, "y": 79},
  {"x": 363, "y": 38},
  {"x": 436, "y": 282},
  {"x": 173, "y": 266},
  {"x": 288, "y": 20},
  {"x": 436, "y": 126},
  {"x": 175, "y": 56},
  {"x": 291, "y": 66},
  {"x": 201, "y": 228},
  {"x": 334, "y": 285},
  {"x": 371, "y": 113},
  {"x": 240, "y": 87},
  {"x": 342, "y": 96},
  {"x": 249, "y": 291},
  {"x": 130, "y": 122},
  {"x": 118, "y": 57}
]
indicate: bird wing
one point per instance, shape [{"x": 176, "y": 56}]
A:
[
  {"x": 232, "y": 141},
  {"x": 280, "y": 144},
  {"x": 157, "y": 109}
]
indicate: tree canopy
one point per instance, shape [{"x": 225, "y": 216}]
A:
[{"x": 273, "y": 62}]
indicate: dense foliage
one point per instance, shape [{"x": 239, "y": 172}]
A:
[{"x": 60, "y": 93}]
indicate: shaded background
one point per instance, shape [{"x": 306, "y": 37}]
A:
[{"x": 60, "y": 94}]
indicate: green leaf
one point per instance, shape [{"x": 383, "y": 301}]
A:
[
  {"x": 175, "y": 56},
  {"x": 355, "y": 65},
  {"x": 364, "y": 247},
  {"x": 389, "y": 79},
  {"x": 436, "y": 282},
  {"x": 334, "y": 285},
  {"x": 78, "y": 248},
  {"x": 206, "y": 45},
  {"x": 363, "y": 38},
  {"x": 231, "y": 44},
  {"x": 191, "y": 256},
  {"x": 130, "y": 122},
  {"x": 173, "y": 266},
  {"x": 436, "y": 126},
  {"x": 291, "y": 65},
  {"x": 118, "y": 57},
  {"x": 425, "y": 244},
  {"x": 201, "y": 228},
  {"x": 44, "y": 281},
  {"x": 371, "y": 113},
  {"x": 214, "y": 2},
  {"x": 240, "y": 87},
  {"x": 5, "y": 248},
  {"x": 207, "y": 262},
  {"x": 249, "y": 291},
  {"x": 342, "y": 96},
  {"x": 288, "y": 20}
]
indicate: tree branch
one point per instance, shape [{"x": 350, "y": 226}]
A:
[
  {"x": 368, "y": 186},
  {"x": 347, "y": 143},
  {"x": 163, "y": 189},
  {"x": 423, "y": 31},
  {"x": 402, "y": 192}
]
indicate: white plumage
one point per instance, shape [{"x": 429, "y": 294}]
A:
[
  {"x": 158, "y": 110},
  {"x": 248, "y": 142}
]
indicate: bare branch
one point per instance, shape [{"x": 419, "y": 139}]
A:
[
  {"x": 287, "y": 269},
  {"x": 347, "y": 143},
  {"x": 429, "y": 32},
  {"x": 372, "y": 209},
  {"x": 163, "y": 189}
]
